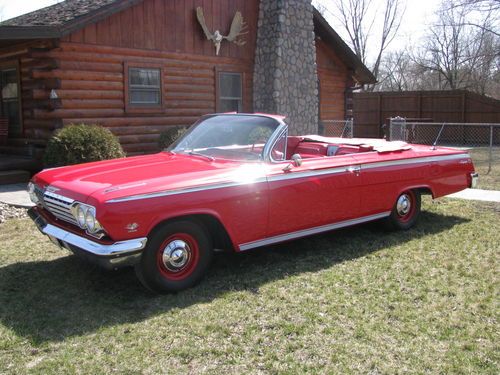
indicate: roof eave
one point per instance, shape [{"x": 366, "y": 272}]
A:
[
  {"x": 362, "y": 74},
  {"x": 43, "y": 32},
  {"x": 29, "y": 32}
]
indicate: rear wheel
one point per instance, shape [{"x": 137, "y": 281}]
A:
[
  {"x": 176, "y": 257},
  {"x": 405, "y": 212}
]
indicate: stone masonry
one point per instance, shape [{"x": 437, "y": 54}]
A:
[{"x": 285, "y": 76}]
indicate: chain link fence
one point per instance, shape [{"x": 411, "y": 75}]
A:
[
  {"x": 482, "y": 141},
  {"x": 337, "y": 128}
]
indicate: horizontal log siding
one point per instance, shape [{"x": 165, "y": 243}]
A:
[
  {"x": 34, "y": 131},
  {"x": 90, "y": 84},
  {"x": 334, "y": 78}
]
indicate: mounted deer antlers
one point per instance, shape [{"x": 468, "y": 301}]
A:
[{"x": 238, "y": 28}]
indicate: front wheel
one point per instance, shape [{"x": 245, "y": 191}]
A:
[
  {"x": 405, "y": 212},
  {"x": 176, "y": 257}
]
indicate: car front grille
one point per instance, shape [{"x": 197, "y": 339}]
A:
[{"x": 56, "y": 204}]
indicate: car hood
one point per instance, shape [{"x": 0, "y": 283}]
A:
[{"x": 118, "y": 178}]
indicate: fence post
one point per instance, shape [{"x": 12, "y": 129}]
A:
[
  {"x": 348, "y": 130},
  {"x": 321, "y": 128},
  {"x": 397, "y": 129},
  {"x": 491, "y": 150}
]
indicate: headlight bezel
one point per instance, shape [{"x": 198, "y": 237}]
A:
[{"x": 86, "y": 219}]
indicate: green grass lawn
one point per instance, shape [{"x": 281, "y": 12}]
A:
[
  {"x": 488, "y": 179},
  {"x": 358, "y": 300}
]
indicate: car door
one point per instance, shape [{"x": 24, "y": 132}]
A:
[{"x": 319, "y": 192}]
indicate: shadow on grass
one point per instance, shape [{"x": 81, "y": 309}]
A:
[{"x": 53, "y": 300}]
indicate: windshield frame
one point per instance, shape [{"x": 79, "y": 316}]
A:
[{"x": 265, "y": 155}]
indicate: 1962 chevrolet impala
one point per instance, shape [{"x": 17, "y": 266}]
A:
[{"x": 234, "y": 182}]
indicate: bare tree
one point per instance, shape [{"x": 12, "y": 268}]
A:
[
  {"x": 463, "y": 55},
  {"x": 358, "y": 18},
  {"x": 481, "y": 5},
  {"x": 394, "y": 74},
  {"x": 488, "y": 8}
]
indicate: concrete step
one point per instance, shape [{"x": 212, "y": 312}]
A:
[{"x": 14, "y": 177}]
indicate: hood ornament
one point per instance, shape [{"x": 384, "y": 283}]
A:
[{"x": 238, "y": 28}]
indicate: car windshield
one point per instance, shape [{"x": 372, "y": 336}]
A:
[{"x": 235, "y": 137}]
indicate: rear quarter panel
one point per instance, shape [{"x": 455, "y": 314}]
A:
[{"x": 385, "y": 175}]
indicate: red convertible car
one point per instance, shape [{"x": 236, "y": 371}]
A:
[{"x": 234, "y": 182}]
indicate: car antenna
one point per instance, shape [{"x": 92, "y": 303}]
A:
[{"x": 437, "y": 138}]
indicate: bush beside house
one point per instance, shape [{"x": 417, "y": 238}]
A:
[{"x": 81, "y": 143}]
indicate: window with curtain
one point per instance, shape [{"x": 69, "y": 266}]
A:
[
  {"x": 9, "y": 98},
  {"x": 230, "y": 92},
  {"x": 144, "y": 87}
]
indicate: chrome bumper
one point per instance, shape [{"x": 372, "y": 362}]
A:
[
  {"x": 112, "y": 256},
  {"x": 474, "y": 180}
]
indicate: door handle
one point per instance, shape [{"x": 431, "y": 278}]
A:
[{"x": 356, "y": 169}]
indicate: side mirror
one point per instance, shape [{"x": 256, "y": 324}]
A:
[{"x": 296, "y": 162}]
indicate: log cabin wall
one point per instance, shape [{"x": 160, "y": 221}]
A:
[
  {"x": 334, "y": 78},
  {"x": 88, "y": 69},
  {"x": 28, "y": 59},
  {"x": 90, "y": 74}
]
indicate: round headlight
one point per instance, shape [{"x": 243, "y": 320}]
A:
[
  {"x": 81, "y": 216},
  {"x": 90, "y": 220},
  {"x": 32, "y": 193}
]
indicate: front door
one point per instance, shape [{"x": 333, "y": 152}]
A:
[
  {"x": 320, "y": 192},
  {"x": 10, "y": 99}
]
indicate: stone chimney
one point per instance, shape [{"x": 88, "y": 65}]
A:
[{"x": 285, "y": 75}]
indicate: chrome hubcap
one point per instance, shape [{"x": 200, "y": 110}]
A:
[
  {"x": 176, "y": 255},
  {"x": 404, "y": 205}
]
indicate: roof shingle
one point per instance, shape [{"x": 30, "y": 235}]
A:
[{"x": 58, "y": 14}]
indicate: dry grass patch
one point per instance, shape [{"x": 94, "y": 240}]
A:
[
  {"x": 352, "y": 301},
  {"x": 489, "y": 179}
]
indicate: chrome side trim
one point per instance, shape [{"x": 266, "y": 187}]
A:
[
  {"x": 292, "y": 175},
  {"x": 304, "y": 174},
  {"x": 424, "y": 159},
  {"x": 165, "y": 193},
  {"x": 310, "y": 231}
]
